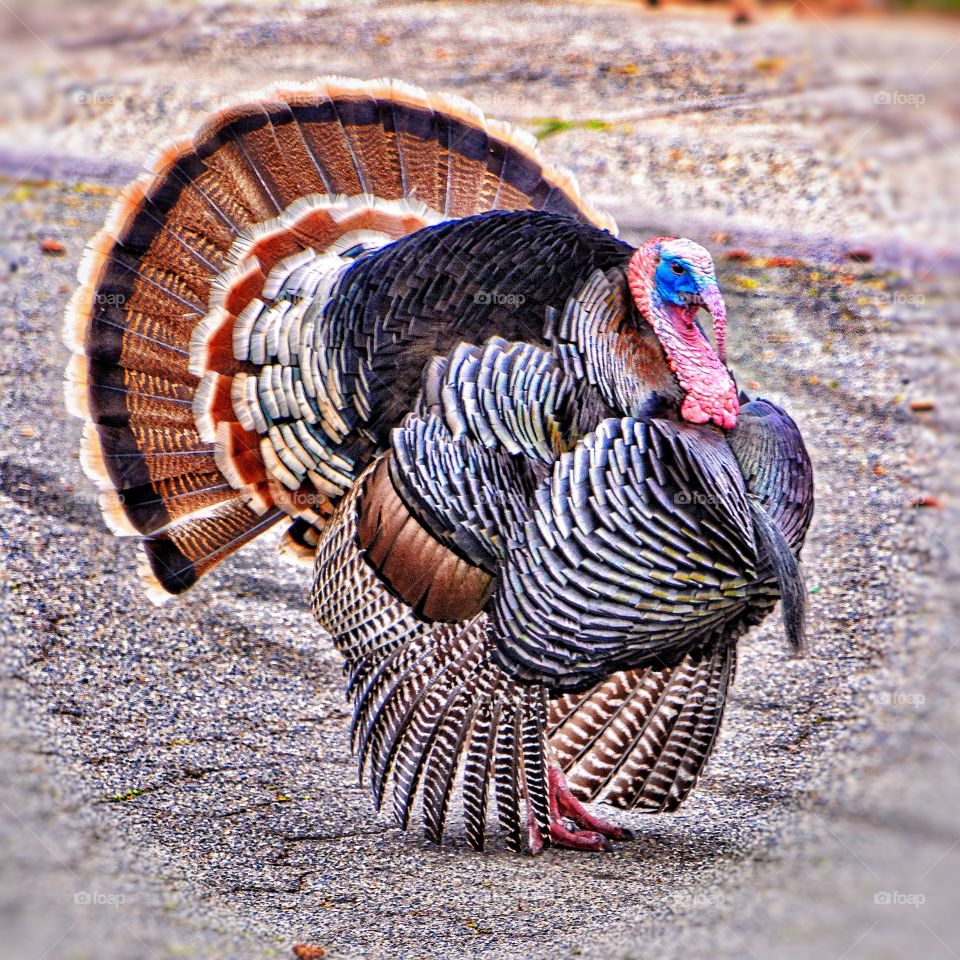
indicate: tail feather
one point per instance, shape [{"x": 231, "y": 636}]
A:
[
  {"x": 221, "y": 143},
  {"x": 189, "y": 549},
  {"x": 324, "y": 135},
  {"x": 157, "y": 324},
  {"x": 533, "y": 769},
  {"x": 179, "y": 497},
  {"x": 373, "y": 149},
  {"x": 786, "y": 568},
  {"x": 299, "y": 169},
  {"x": 407, "y": 749},
  {"x": 448, "y": 691},
  {"x": 187, "y": 193},
  {"x": 444, "y": 761},
  {"x": 389, "y": 715}
]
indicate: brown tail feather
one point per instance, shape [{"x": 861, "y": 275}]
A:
[
  {"x": 180, "y": 556},
  {"x": 191, "y": 243},
  {"x": 641, "y": 738}
]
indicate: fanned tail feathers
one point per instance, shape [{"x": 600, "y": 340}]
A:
[{"x": 161, "y": 325}]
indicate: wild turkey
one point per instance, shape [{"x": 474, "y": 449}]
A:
[{"x": 539, "y": 512}]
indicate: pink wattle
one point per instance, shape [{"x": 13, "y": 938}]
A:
[{"x": 710, "y": 393}]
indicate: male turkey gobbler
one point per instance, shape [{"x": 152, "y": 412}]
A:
[{"x": 540, "y": 514}]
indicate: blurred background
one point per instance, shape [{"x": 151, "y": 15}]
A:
[{"x": 177, "y": 782}]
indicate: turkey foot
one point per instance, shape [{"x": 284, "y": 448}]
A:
[{"x": 590, "y": 832}]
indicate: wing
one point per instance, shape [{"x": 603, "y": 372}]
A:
[
  {"x": 429, "y": 698},
  {"x": 633, "y": 545},
  {"x": 509, "y": 551},
  {"x": 776, "y": 466},
  {"x": 485, "y": 436},
  {"x": 417, "y": 543}
]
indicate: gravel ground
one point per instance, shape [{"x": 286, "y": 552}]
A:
[{"x": 177, "y": 782}]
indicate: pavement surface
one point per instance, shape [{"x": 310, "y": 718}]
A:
[{"x": 177, "y": 782}]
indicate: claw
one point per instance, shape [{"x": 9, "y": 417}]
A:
[{"x": 578, "y": 839}]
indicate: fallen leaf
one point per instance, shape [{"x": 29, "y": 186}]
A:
[
  {"x": 791, "y": 262},
  {"x": 922, "y": 406},
  {"x": 859, "y": 255},
  {"x": 924, "y": 501},
  {"x": 737, "y": 254},
  {"x": 771, "y": 64},
  {"x": 53, "y": 247},
  {"x": 309, "y": 951},
  {"x": 27, "y": 432}
]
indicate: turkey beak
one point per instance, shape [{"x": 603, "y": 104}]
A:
[{"x": 712, "y": 299}]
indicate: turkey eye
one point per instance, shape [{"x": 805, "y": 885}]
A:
[{"x": 676, "y": 268}]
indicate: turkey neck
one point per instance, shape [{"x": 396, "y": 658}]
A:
[{"x": 495, "y": 274}]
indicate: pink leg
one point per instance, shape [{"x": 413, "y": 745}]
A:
[{"x": 590, "y": 832}]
